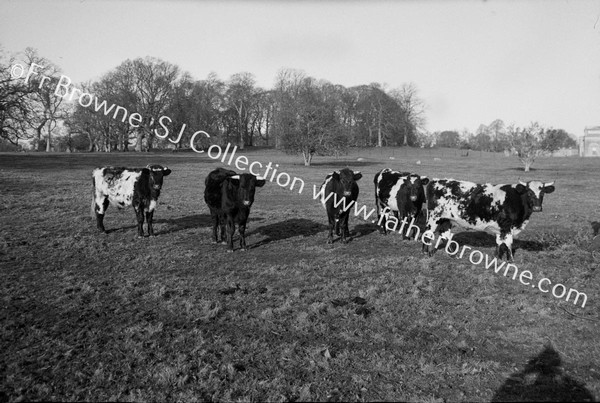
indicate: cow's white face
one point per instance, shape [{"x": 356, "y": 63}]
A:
[{"x": 535, "y": 191}]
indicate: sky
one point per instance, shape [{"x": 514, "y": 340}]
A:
[{"x": 472, "y": 61}]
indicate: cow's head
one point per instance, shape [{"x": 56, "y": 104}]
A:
[
  {"x": 534, "y": 191},
  {"x": 414, "y": 185},
  {"x": 157, "y": 173},
  {"x": 246, "y": 186},
  {"x": 347, "y": 178}
]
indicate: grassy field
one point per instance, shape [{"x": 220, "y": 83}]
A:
[{"x": 87, "y": 316}]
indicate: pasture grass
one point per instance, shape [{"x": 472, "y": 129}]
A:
[{"x": 88, "y": 316}]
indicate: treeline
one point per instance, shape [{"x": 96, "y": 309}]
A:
[
  {"x": 299, "y": 114},
  {"x": 498, "y": 137}
]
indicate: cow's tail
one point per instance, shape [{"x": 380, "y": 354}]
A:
[
  {"x": 93, "y": 206},
  {"x": 375, "y": 180}
]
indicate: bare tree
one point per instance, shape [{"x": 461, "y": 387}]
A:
[
  {"x": 14, "y": 103},
  {"x": 412, "y": 110},
  {"x": 240, "y": 96},
  {"x": 47, "y": 108}
]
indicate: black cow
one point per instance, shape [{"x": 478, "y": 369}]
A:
[
  {"x": 229, "y": 198},
  {"x": 399, "y": 192},
  {"x": 122, "y": 187},
  {"x": 502, "y": 210},
  {"x": 338, "y": 192},
  {"x": 212, "y": 197}
]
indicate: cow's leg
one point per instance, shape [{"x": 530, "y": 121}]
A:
[
  {"x": 332, "y": 224},
  {"x": 223, "y": 227},
  {"x": 381, "y": 219},
  {"x": 139, "y": 213},
  {"x": 401, "y": 215},
  {"x": 430, "y": 226},
  {"x": 442, "y": 229},
  {"x": 100, "y": 207},
  {"x": 505, "y": 239},
  {"x": 242, "y": 230},
  {"x": 230, "y": 231},
  {"x": 345, "y": 233},
  {"x": 149, "y": 216},
  {"x": 215, "y": 221}
]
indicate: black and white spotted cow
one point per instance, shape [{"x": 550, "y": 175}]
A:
[
  {"x": 229, "y": 197},
  {"x": 501, "y": 210},
  {"x": 338, "y": 192},
  {"x": 122, "y": 187},
  {"x": 401, "y": 193}
]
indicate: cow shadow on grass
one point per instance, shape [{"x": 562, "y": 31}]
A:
[
  {"x": 286, "y": 229},
  {"x": 542, "y": 379},
  {"x": 192, "y": 221},
  {"x": 182, "y": 223},
  {"x": 361, "y": 230},
  {"x": 485, "y": 240}
]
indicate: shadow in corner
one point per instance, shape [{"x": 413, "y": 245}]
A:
[
  {"x": 542, "y": 380},
  {"x": 287, "y": 229}
]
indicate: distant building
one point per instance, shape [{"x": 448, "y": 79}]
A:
[{"x": 589, "y": 143}]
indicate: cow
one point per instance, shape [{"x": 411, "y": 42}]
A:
[
  {"x": 212, "y": 197},
  {"x": 338, "y": 192},
  {"x": 122, "y": 187},
  {"x": 501, "y": 210},
  {"x": 229, "y": 197},
  {"x": 399, "y": 192}
]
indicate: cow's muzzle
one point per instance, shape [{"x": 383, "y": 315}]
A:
[
  {"x": 246, "y": 202},
  {"x": 413, "y": 198},
  {"x": 347, "y": 193},
  {"x": 156, "y": 187},
  {"x": 537, "y": 208}
]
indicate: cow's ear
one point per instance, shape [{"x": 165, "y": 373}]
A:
[
  {"x": 424, "y": 181},
  {"x": 166, "y": 171},
  {"x": 260, "y": 182},
  {"x": 521, "y": 189},
  {"x": 548, "y": 189},
  {"x": 357, "y": 175},
  {"x": 335, "y": 175}
]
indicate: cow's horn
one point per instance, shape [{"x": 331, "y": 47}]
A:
[
  {"x": 522, "y": 183},
  {"x": 549, "y": 184},
  {"x": 235, "y": 177}
]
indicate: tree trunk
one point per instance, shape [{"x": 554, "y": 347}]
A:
[
  {"x": 139, "y": 136},
  {"x": 38, "y": 130},
  {"x": 379, "y": 137},
  {"x": 307, "y": 158},
  {"x": 91, "y": 146}
]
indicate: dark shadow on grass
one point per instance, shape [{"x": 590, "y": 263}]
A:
[
  {"x": 361, "y": 230},
  {"x": 542, "y": 379},
  {"x": 286, "y": 229},
  {"x": 485, "y": 240},
  {"x": 127, "y": 228},
  {"x": 192, "y": 221},
  {"x": 183, "y": 223}
]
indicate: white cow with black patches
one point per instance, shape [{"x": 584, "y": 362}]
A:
[
  {"x": 123, "y": 187},
  {"x": 501, "y": 210}
]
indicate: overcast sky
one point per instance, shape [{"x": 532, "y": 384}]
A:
[{"x": 472, "y": 61}]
